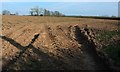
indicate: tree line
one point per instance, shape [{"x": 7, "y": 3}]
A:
[
  {"x": 36, "y": 11},
  {"x": 6, "y": 12}
]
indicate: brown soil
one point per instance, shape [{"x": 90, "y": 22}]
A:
[{"x": 62, "y": 43}]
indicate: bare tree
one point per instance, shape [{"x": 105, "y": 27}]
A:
[
  {"x": 36, "y": 11},
  {"x": 6, "y": 12},
  {"x": 41, "y": 11},
  {"x": 16, "y": 13},
  {"x": 57, "y": 13},
  {"x": 46, "y": 12},
  {"x": 51, "y": 13},
  {"x": 31, "y": 13}
]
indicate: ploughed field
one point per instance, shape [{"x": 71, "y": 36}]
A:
[{"x": 54, "y": 43}]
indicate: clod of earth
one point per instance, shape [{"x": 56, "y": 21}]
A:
[
  {"x": 81, "y": 54},
  {"x": 38, "y": 46}
]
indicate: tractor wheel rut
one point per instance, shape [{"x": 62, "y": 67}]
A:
[{"x": 77, "y": 52}]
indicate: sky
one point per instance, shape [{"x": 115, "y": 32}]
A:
[
  {"x": 60, "y": 0},
  {"x": 67, "y": 8}
]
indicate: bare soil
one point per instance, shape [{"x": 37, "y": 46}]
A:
[{"x": 52, "y": 43}]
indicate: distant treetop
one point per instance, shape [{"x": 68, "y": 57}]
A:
[{"x": 36, "y": 11}]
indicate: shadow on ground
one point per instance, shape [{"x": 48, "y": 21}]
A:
[{"x": 45, "y": 61}]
